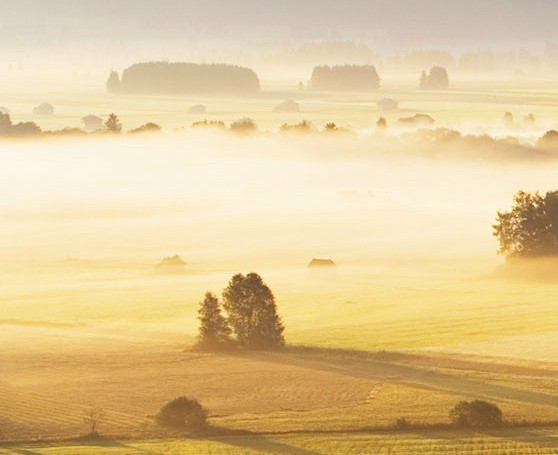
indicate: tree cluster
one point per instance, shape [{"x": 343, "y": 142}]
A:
[
  {"x": 252, "y": 321},
  {"x": 437, "y": 79},
  {"x": 183, "y": 78},
  {"x": 7, "y": 128},
  {"x": 530, "y": 228},
  {"x": 345, "y": 77}
]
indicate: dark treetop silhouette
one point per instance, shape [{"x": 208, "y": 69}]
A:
[{"x": 183, "y": 78}]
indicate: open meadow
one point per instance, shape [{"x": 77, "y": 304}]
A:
[{"x": 419, "y": 313}]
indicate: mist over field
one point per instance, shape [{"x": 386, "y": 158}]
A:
[
  {"x": 307, "y": 228},
  {"x": 86, "y": 221}
]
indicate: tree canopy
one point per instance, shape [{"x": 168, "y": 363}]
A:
[
  {"x": 113, "y": 124},
  {"x": 530, "y": 228},
  {"x": 215, "y": 333},
  {"x": 252, "y": 313},
  {"x": 345, "y": 77},
  {"x": 437, "y": 79},
  {"x": 183, "y": 413},
  {"x": 476, "y": 414},
  {"x": 183, "y": 78}
]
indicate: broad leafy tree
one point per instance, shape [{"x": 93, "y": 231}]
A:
[
  {"x": 476, "y": 414},
  {"x": 252, "y": 313},
  {"x": 183, "y": 413},
  {"x": 530, "y": 228}
]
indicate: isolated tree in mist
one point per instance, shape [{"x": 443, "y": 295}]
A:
[
  {"x": 113, "y": 124},
  {"x": 252, "y": 313},
  {"x": 508, "y": 120},
  {"x": 183, "y": 413},
  {"x": 215, "y": 333},
  {"x": 381, "y": 124},
  {"x": 476, "y": 414},
  {"x": 437, "y": 79},
  {"x": 113, "y": 82},
  {"x": 530, "y": 228}
]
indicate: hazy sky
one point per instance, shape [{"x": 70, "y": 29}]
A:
[{"x": 34, "y": 23}]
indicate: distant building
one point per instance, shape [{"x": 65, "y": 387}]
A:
[
  {"x": 197, "y": 109},
  {"x": 44, "y": 109},
  {"x": 92, "y": 123},
  {"x": 171, "y": 264},
  {"x": 321, "y": 263},
  {"x": 387, "y": 104},
  {"x": 287, "y": 106}
]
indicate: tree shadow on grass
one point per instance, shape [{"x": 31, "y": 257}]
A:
[
  {"x": 260, "y": 443},
  {"x": 540, "y": 436},
  {"x": 387, "y": 367},
  {"x": 106, "y": 442}
]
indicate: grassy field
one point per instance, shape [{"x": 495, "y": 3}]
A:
[
  {"x": 518, "y": 442},
  {"x": 419, "y": 299}
]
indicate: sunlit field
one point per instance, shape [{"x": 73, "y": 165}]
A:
[
  {"x": 86, "y": 319},
  {"x": 501, "y": 443}
]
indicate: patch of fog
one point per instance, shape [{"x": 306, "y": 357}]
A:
[{"x": 251, "y": 197}]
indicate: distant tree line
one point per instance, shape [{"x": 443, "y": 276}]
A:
[
  {"x": 183, "y": 78},
  {"x": 345, "y": 77},
  {"x": 8, "y": 128}
]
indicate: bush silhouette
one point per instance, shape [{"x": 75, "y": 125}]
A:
[
  {"x": 183, "y": 413},
  {"x": 530, "y": 228},
  {"x": 476, "y": 414}
]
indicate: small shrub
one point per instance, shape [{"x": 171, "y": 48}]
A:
[
  {"x": 402, "y": 424},
  {"x": 183, "y": 413},
  {"x": 147, "y": 128},
  {"x": 244, "y": 126},
  {"x": 219, "y": 124},
  {"x": 302, "y": 127},
  {"x": 476, "y": 414}
]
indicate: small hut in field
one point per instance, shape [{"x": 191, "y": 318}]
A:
[
  {"x": 171, "y": 264},
  {"x": 321, "y": 264},
  {"x": 92, "y": 123}
]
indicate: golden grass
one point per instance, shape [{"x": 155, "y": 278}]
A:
[{"x": 518, "y": 442}]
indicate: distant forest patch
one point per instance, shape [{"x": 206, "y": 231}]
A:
[
  {"x": 183, "y": 78},
  {"x": 345, "y": 77}
]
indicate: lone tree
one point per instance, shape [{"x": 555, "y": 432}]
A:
[
  {"x": 113, "y": 82},
  {"x": 113, "y": 124},
  {"x": 476, "y": 414},
  {"x": 183, "y": 413},
  {"x": 215, "y": 333},
  {"x": 530, "y": 228},
  {"x": 92, "y": 418},
  {"x": 252, "y": 313}
]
